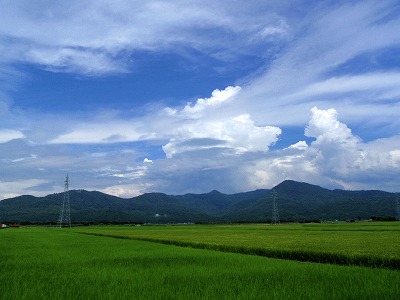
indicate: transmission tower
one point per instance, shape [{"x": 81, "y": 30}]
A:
[
  {"x": 275, "y": 213},
  {"x": 65, "y": 215},
  {"x": 398, "y": 208}
]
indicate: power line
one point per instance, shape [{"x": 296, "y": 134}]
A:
[{"x": 65, "y": 215}]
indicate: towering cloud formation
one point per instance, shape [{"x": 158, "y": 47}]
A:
[
  {"x": 336, "y": 158},
  {"x": 335, "y": 149},
  {"x": 237, "y": 134}
]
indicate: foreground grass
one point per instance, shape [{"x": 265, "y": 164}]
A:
[
  {"x": 61, "y": 264},
  {"x": 365, "y": 244}
]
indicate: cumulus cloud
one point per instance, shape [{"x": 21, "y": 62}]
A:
[
  {"x": 325, "y": 127},
  {"x": 239, "y": 134},
  {"x": 335, "y": 149},
  {"x": 187, "y": 129},
  {"x": 336, "y": 158},
  {"x": 301, "y": 145},
  {"x": 216, "y": 98},
  {"x": 201, "y": 126}
]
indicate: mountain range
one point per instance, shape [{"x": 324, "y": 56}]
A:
[{"x": 296, "y": 201}]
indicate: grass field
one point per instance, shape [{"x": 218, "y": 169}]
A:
[
  {"x": 50, "y": 263},
  {"x": 367, "y": 244}
]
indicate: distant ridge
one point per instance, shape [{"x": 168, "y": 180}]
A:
[{"x": 297, "y": 201}]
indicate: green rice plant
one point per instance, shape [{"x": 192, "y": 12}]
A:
[
  {"x": 61, "y": 264},
  {"x": 365, "y": 244}
]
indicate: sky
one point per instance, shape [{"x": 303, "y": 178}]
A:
[{"x": 129, "y": 97}]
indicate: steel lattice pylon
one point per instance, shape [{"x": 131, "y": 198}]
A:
[
  {"x": 275, "y": 213},
  {"x": 65, "y": 215}
]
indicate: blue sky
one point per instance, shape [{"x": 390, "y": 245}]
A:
[{"x": 131, "y": 97}]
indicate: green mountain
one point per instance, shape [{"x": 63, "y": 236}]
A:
[{"x": 296, "y": 201}]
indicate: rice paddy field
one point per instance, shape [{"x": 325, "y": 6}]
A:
[{"x": 360, "y": 261}]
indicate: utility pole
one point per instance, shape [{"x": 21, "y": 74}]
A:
[
  {"x": 65, "y": 215},
  {"x": 398, "y": 208}
]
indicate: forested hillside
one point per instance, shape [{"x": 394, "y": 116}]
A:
[{"x": 296, "y": 202}]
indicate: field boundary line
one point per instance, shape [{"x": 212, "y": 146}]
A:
[{"x": 297, "y": 255}]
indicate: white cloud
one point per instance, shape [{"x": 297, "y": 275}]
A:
[
  {"x": 380, "y": 154},
  {"x": 95, "y": 37},
  {"x": 217, "y": 97},
  {"x": 239, "y": 134},
  {"x": 18, "y": 187},
  {"x": 323, "y": 44},
  {"x": 75, "y": 60},
  {"x": 106, "y": 132},
  {"x": 279, "y": 29},
  {"x": 147, "y": 161},
  {"x": 325, "y": 127},
  {"x": 336, "y": 159},
  {"x": 335, "y": 149},
  {"x": 377, "y": 82},
  {"x": 125, "y": 190},
  {"x": 301, "y": 145},
  {"x": 7, "y": 135},
  {"x": 188, "y": 129},
  {"x": 21, "y": 159}
]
